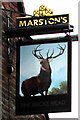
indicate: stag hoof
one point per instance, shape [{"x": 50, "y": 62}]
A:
[{"x": 42, "y": 94}]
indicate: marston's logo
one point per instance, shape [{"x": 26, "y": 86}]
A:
[{"x": 43, "y": 16}]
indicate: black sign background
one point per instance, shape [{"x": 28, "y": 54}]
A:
[
  {"x": 43, "y": 104},
  {"x": 42, "y": 21}
]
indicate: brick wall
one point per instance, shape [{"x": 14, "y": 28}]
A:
[
  {"x": 9, "y": 58},
  {"x": 8, "y": 81},
  {"x": 8, "y": 49}
]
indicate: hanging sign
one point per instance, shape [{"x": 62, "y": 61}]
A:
[{"x": 43, "y": 66}]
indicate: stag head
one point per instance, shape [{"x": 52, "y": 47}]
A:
[{"x": 49, "y": 58}]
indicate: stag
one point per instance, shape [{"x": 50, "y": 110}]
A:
[{"x": 41, "y": 82}]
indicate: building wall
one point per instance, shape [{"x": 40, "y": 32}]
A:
[{"x": 8, "y": 59}]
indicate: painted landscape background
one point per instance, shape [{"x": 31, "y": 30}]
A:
[{"x": 30, "y": 66}]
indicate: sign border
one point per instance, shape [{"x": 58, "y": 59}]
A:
[{"x": 43, "y": 104}]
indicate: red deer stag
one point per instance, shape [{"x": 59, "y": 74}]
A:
[{"x": 41, "y": 82}]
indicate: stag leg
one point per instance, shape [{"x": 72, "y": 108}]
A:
[{"x": 46, "y": 92}]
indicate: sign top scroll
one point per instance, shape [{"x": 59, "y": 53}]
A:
[{"x": 43, "y": 11}]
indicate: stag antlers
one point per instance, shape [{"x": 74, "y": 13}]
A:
[
  {"x": 40, "y": 57},
  {"x": 60, "y": 53}
]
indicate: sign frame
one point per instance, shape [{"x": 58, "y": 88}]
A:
[{"x": 43, "y": 104}]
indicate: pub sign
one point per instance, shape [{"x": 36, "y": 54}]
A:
[{"x": 43, "y": 67}]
